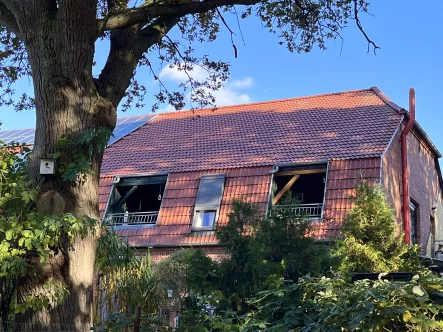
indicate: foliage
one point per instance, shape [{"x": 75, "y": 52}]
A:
[
  {"x": 28, "y": 239},
  {"x": 127, "y": 282},
  {"x": 300, "y": 27},
  {"x": 76, "y": 151},
  {"x": 117, "y": 322},
  {"x": 287, "y": 243},
  {"x": 113, "y": 253},
  {"x": 264, "y": 250},
  {"x": 245, "y": 270},
  {"x": 261, "y": 252},
  {"x": 258, "y": 286},
  {"x": 333, "y": 304},
  {"x": 372, "y": 238}
]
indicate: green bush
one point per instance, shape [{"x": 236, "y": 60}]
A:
[
  {"x": 334, "y": 304},
  {"x": 372, "y": 239},
  {"x": 261, "y": 253}
]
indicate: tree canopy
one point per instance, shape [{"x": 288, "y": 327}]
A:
[
  {"x": 137, "y": 33},
  {"x": 54, "y": 42}
]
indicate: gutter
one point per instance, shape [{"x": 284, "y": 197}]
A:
[
  {"x": 202, "y": 244},
  {"x": 404, "y": 168},
  {"x": 173, "y": 245}
]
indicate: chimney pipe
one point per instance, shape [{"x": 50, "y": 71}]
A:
[{"x": 404, "y": 168}]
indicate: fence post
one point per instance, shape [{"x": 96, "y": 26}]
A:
[{"x": 138, "y": 314}]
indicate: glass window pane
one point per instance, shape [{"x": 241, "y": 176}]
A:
[
  {"x": 413, "y": 221},
  {"x": 205, "y": 219},
  {"x": 210, "y": 191}
]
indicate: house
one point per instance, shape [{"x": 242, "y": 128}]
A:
[{"x": 167, "y": 184}]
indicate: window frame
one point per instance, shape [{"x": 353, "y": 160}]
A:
[
  {"x": 201, "y": 208},
  {"x": 322, "y": 167},
  {"x": 414, "y": 224},
  {"x": 134, "y": 180}
]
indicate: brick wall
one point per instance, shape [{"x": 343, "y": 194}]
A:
[
  {"x": 214, "y": 252},
  {"x": 391, "y": 175},
  {"x": 343, "y": 176},
  {"x": 423, "y": 183}
]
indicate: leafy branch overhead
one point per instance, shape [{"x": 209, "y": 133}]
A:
[{"x": 137, "y": 34}]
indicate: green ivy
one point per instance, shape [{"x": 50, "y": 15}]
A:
[{"x": 82, "y": 147}]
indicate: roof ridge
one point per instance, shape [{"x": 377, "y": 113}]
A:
[
  {"x": 271, "y": 101},
  {"x": 387, "y": 100}
]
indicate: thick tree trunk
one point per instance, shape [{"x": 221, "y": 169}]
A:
[{"x": 60, "y": 50}]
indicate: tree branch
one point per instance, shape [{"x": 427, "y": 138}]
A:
[
  {"x": 127, "y": 48},
  {"x": 126, "y": 18},
  {"x": 360, "y": 27},
  {"x": 8, "y": 20}
]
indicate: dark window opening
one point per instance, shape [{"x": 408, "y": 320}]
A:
[
  {"x": 306, "y": 185},
  {"x": 432, "y": 234},
  {"x": 136, "y": 200},
  {"x": 307, "y": 189},
  {"x": 413, "y": 211}
]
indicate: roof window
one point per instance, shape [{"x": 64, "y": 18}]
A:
[{"x": 207, "y": 206}]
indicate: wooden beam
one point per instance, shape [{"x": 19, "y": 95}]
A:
[
  {"x": 123, "y": 200},
  {"x": 302, "y": 171},
  {"x": 285, "y": 189}
]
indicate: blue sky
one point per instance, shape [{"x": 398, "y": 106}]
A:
[{"x": 410, "y": 56}]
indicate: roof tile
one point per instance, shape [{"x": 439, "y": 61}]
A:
[{"x": 355, "y": 124}]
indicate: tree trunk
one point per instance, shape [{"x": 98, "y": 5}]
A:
[{"x": 60, "y": 49}]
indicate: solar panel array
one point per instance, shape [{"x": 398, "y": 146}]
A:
[
  {"x": 128, "y": 124},
  {"x": 18, "y": 135},
  {"x": 125, "y": 125}
]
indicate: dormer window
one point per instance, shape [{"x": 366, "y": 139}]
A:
[
  {"x": 207, "y": 205},
  {"x": 136, "y": 200},
  {"x": 305, "y": 184}
]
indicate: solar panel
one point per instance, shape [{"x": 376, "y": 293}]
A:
[{"x": 125, "y": 125}]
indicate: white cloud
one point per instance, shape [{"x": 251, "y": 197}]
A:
[
  {"x": 228, "y": 94},
  {"x": 168, "y": 108},
  {"x": 244, "y": 83},
  {"x": 175, "y": 75}
]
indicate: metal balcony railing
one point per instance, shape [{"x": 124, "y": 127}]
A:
[
  {"x": 132, "y": 218},
  {"x": 311, "y": 211}
]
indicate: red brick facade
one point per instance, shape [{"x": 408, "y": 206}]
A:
[
  {"x": 216, "y": 253},
  {"x": 424, "y": 187}
]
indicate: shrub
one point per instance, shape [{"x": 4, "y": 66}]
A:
[
  {"x": 333, "y": 304},
  {"x": 372, "y": 239}
]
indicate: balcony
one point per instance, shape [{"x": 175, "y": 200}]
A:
[
  {"x": 133, "y": 218},
  {"x": 309, "y": 211}
]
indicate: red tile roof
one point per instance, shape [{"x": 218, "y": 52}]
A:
[
  {"x": 175, "y": 219},
  {"x": 350, "y": 129},
  {"x": 346, "y": 125},
  {"x": 343, "y": 177}
]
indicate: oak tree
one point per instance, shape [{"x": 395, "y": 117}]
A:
[{"x": 54, "y": 42}]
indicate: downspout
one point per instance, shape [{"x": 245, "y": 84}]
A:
[{"x": 404, "y": 168}]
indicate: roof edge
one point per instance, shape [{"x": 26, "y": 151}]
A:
[
  {"x": 425, "y": 136},
  {"x": 174, "y": 244},
  {"x": 387, "y": 100},
  {"x": 403, "y": 111},
  {"x": 272, "y": 101}
]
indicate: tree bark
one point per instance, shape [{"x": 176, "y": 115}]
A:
[
  {"x": 59, "y": 37},
  {"x": 60, "y": 47}
]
